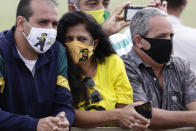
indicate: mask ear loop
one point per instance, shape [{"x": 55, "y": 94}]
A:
[
  {"x": 27, "y": 22},
  {"x": 25, "y": 35},
  {"x": 29, "y": 25}
]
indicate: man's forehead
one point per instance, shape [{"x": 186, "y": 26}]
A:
[
  {"x": 159, "y": 22},
  {"x": 50, "y": 2},
  {"x": 42, "y": 4},
  {"x": 160, "y": 25},
  {"x": 43, "y": 10}
]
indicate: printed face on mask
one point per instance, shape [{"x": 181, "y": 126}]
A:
[
  {"x": 160, "y": 49},
  {"x": 40, "y": 39}
]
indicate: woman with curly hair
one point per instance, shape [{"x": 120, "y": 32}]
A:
[{"x": 102, "y": 94}]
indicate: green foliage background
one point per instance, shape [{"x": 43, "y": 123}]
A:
[{"x": 8, "y": 11}]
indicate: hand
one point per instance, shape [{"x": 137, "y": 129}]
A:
[
  {"x": 139, "y": 125},
  {"x": 47, "y": 124},
  {"x": 129, "y": 118},
  {"x": 64, "y": 123},
  {"x": 115, "y": 23},
  {"x": 58, "y": 123},
  {"x": 158, "y": 4}
]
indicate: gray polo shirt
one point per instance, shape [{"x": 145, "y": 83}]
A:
[{"x": 179, "y": 82}]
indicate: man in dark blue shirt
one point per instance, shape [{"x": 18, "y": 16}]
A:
[{"x": 34, "y": 91}]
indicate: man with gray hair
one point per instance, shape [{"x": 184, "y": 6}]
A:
[{"x": 156, "y": 75}]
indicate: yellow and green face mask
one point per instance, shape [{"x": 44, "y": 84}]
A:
[
  {"x": 99, "y": 15},
  {"x": 79, "y": 51}
]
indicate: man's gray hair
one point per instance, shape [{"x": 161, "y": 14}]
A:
[
  {"x": 139, "y": 23},
  {"x": 76, "y": 2}
]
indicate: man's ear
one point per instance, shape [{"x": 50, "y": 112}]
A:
[
  {"x": 138, "y": 41},
  {"x": 20, "y": 23},
  {"x": 96, "y": 42},
  {"x": 72, "y": 7}
]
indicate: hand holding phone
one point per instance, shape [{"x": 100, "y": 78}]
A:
[
  {"x": 145, "y": 110},
  {"x": 130, "y": 11}
]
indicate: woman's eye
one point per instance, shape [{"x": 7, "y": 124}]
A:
[
  {"x": 68, "y": 39},
  {"x": 82, "y": 38}
]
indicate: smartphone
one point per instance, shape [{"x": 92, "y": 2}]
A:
[
  {"x": 145, "y": 110},
  {"x": 130, "y": 11}
]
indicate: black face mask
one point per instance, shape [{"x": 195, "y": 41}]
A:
[{"x": 160, "y": 50}]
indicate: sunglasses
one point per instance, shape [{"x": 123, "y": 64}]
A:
[{"x": 95, "y": 96}]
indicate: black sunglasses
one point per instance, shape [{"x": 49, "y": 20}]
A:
[
  {"x": 88, "y": 82},
  {"x": 95, "y": 96}
]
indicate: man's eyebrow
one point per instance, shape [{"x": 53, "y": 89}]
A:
[
  {"x": 43, "y": 20},
  {"x": 160, "y": 35},
  {"x": 90, "y": 1}
]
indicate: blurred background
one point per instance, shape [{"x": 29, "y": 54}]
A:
[{"x": 8, "y": 11}]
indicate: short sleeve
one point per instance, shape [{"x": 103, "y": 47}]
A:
[
  {"x": 189, "y": 85},
  {"x": 122, "y": 86},
  {"x": 62, "y": 78}
]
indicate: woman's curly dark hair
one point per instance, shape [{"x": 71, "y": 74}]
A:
[{"x": 103, "y": 49}]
